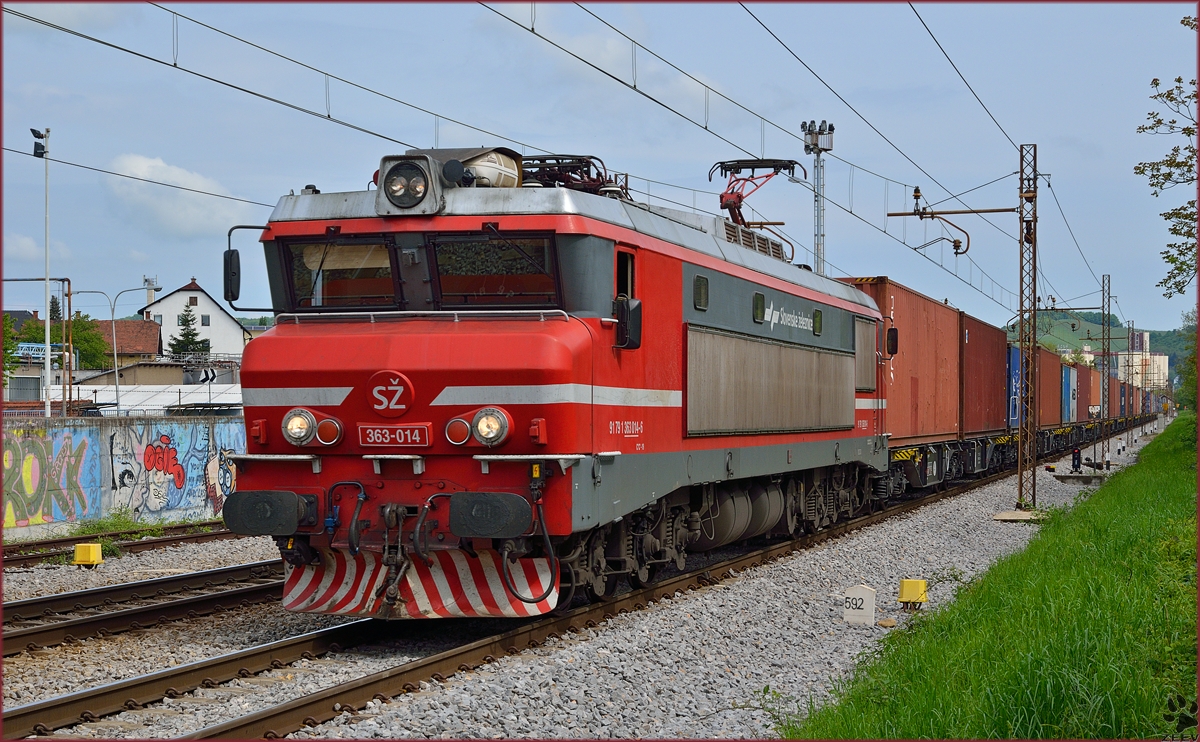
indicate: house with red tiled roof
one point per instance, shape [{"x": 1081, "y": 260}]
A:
[
  {"x": 137, "y": 339},
  {"x": 224, "y": 332}
]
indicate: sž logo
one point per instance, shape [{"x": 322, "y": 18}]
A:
[{"x": 390, "y": 393}]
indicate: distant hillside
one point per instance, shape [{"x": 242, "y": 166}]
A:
[{"x": 1077, "y": 329}]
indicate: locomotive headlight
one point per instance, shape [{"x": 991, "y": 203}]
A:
[
  {"x": 490, "y": 426},
  {"x": 405, "y": 184},
  {"x": 299, "y": 427}
]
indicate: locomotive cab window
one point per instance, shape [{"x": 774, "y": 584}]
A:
[
  {"x": 625, "y": 274},
  {"x": 508, "y": 271},
  {"x": 342, "y": 275},
  {"x": 817, "y": 321}
]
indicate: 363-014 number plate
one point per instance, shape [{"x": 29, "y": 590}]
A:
[{"x": 394, "y": 435}]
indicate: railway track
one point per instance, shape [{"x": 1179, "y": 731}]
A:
[
  {"x": 27, "y": 553},
  {"x": 85, "y": 706},
  {"x": 65, "y": 617}
]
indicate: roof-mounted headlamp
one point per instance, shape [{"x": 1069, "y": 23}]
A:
[{"x": 415, "y": 183}]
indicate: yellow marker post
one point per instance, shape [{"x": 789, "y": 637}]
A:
[{"x": 912, "y": 594}]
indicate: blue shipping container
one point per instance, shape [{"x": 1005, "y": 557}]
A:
[{"x": 1014, "y": 386}]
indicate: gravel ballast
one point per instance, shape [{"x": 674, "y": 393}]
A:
[
  {"x": 682, "y": 667},
  {"x": 22, "y": 583},
  {"x": 677, "y": 669}
]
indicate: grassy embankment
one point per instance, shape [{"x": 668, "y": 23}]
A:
[{"x": 1085, "y": 633}]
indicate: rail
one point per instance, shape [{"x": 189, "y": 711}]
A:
[
  {"x": 17, "y": 610},
  {"x": 45, "y": 716},
  {"x": 19, "y": 638},
  {"x": 27, "y": 553}
]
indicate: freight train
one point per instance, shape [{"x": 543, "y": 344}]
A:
[{"x": 497, "y": 382}]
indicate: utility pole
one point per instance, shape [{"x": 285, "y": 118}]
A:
[
  {"x": 818, "y": 139},
  {"x": 1027, "y": 331},
  {"x": 41, "y": 148},
  {"x": 1105, "y": 351},
  {"x": 1027, "y": 313}
]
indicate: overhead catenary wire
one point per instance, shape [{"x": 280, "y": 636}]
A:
[
  {"x": 322, "y": 72},
  {"x": 202, "y": 76},
  {"x": 1069, "y": 230},
  {"x": 751, "y": 154},
  {"x": 613, "y": 77},
  {"x": 344, "y": 81},
  {"x": 969, "y": 190},
  {"x": 865, "y": 120},
  {"x": 377, "y": 134},
  {"x": 964, "y": 79},
  {"x": 1006, "y": 136},
  {"x": 145, "y": 180}
]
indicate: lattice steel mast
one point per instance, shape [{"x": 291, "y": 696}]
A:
[
  {"x": 1105, "y": 351},
  {"x": 1027, "y": 333}
]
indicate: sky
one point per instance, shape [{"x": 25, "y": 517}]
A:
[{"x": 1074, "y": 79}]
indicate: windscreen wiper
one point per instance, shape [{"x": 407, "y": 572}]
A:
[{"x": 492, "y": 228}]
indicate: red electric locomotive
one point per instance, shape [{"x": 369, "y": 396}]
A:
[{"x": 497, "y": 381}]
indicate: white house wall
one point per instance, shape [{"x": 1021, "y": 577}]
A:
[{"x": 225, "y": 335}]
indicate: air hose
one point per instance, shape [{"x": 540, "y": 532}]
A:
[{"x": 504, "y": 575}]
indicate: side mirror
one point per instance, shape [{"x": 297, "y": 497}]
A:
[
  {"x": 893, "y": 341},
  {"x": 233, "y": 275},
  {"x": 629, "y": 322}
]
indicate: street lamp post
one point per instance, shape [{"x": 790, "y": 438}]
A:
[
  {"x": 112, "y": 311},
  {"x": 42, "y": 149}
]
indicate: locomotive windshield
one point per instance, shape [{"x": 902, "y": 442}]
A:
[
  {"x": 327, "y": 274},
  {"x": 494, "y": 270},
  {"x": 423, "y": 271}
]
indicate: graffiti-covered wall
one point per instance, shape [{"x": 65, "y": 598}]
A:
[{"x": 157, "y": 468}]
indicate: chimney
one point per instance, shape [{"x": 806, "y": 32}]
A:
[{"x": 35, "y": 316}]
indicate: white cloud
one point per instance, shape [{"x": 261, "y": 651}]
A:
[
  {"x": 20, "y": 248},
  {"x": 174, "y": 212},
  {"x": 24, "y": 249}
]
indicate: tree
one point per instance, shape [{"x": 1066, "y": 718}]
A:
[
  {"x": 10, "y": 348},
  {"x": 1178, "y": 167},
  {"x": 1186, "y": 394},
  {"x": 188, "y": 340},
  {"x": 1077, "y": 358},
  {"x": 86, "y": 336},
  {"x": 55, "y": 310}
]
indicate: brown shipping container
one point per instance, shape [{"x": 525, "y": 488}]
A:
[
  {"x": 1083, "y": 399},
  {"x": 1114, "y": 397},
  {"x": 922, "y": 380},
  {"x": 1094, "y": 396},
  {"x": 1049, "y": 389},
  {"x": 984, "y": 365}
]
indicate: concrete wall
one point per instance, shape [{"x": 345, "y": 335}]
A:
[{"x": 61, "y": 471}]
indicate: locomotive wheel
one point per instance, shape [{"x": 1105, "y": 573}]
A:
[
  {"x": 606, "y": 589},
  {"x": 601, "y": 586},
  {"x": 651, "y": 574},
  {"x": 569, "y": 578}
]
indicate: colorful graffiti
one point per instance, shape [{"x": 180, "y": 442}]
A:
[
  {"x": 175, "y": 469},
  {"x": 155, "y": 468},
  {"x": 50, "y": 476}
]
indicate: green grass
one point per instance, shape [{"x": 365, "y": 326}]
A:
[
  {"x": 1085, "y": 633},
  {"x": 119, "y": 519}
]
